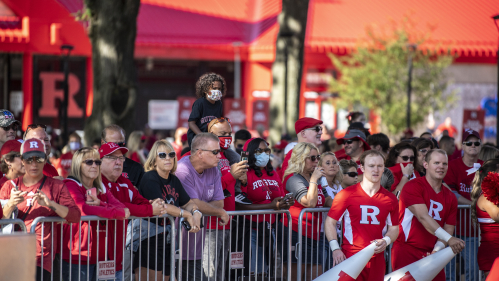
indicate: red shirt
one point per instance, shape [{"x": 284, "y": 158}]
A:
[
  {"x": 262, "y": 190},
  {"x": 3, "y": 180},
  {"x": 489, "y": 229},
  {"x": 50, "y": 171},
  {"x": 442, "y": 207},
  {"x": 65, "y": 164},
  {"x": 347, "y": 157},
  {"x": 109, "y": 208},
  {"x": 398, "y": 174},
  {"x": 451, "y": 129},
  {"x": 459, "y": 178},
  {"x": 364, "y": 217},
  {"x": 135, "y": 157},
  {"x": 55, "y": 191},
  {"x": 285, "y": 164},
  {"x": 228, "y": 183},
  {"x": 126, "y": 193}
]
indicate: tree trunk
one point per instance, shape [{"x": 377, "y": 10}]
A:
[
  {"x": 290, "y": 43},
  {"x": 112, "y": 31}
]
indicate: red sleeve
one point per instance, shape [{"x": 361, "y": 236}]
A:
[
  {"x": 394, "y": 213},
  {"x": 339, "y": 205},
  {"x": 135, "y": 157},
  {"x": 285, "y": 163},
  {"x": 108, "y": 211},
  {"x": 450, "y": 179},
  {"x": 5, "y": 190},
  {"x": 1, "y": 211},
  {"x": 452, "y": 218},
  {"x": 228, "y": 180},
  {"x": 50, "y": 171},
  {"x": 65, "y": 199},
  {"x": 139, "y": 207},
  {"x": 412, "y": 194}
]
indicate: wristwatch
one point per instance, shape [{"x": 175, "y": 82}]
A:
[{"x": 408, "y": 176}]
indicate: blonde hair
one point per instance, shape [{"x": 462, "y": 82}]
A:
[
  {"x": 492, "y": 165},
  {"x": 151, "y": 159},
  {"x": 133, "y": 142},
  {"x": 78, "y": 157},
  {"x": 487, "y": 152},
  {"x": 298, "y": 156},
  {"x": 338, "y": 178}
]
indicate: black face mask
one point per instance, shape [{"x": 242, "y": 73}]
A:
[{"x": 239, "y": 150}]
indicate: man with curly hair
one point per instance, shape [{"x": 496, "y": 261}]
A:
[{"x": 210, "y": 88}]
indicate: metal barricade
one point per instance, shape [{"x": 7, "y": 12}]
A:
[
  {"x": 241, "y": 251},
  {"x": 14, "y": 222}
]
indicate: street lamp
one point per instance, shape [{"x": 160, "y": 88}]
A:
[
  {"x": 412, "y": 48},
  {"x": 496, "y": 19},
  {"x": 64, "y": 105}
]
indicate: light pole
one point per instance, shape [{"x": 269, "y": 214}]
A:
[
  {"x": 412, "y": 48},
  {"x": 286, "y": 36},
  {"x": 64, "y": 105},
  {"x": 496, "y": 19}
]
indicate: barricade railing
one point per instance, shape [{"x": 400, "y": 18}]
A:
[
  {"x": 11, "y": 223},
  {"x": 253, "y": 247}
]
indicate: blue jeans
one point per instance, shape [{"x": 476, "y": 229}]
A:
[
  {"x": 263, "y": 254},
  {"x": 468, "y": 261}
]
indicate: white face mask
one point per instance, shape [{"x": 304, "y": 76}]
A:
[
  {"x": 214, "y": 95},
  {"x": 74, "y": 145}
]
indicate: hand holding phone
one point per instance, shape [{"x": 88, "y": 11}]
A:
[
  {"x": 288, "y": 197},
  {"x": 92, "y": 191},
  {"x": 244, "y": 155}
]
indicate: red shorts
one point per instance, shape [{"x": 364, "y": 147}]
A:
[
  {"x": 374, "y": 269},
  {"x": 487, "y": 254},
  {"x": 404, "y": 254}
]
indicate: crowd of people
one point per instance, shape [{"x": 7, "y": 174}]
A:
[{"x": 406, "y": 194}]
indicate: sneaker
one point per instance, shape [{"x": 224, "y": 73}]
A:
[
  {"x": 242, "y": 198},
  {"x": 227, "y": 193}
]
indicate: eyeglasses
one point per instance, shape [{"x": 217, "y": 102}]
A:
[
  {"x": 314, "y": 157},
  {"x": 34, "y": 126},
  {"x": 11, "y": 127},
  {"x": 90, "y": 162},
  {"x": 162, "y": 155},
  {"x": 277, "y": 150},
  {"x": 470, "y": 143},
  {"x": 407, "y": 158},
  {"x": 260, "y": 151},
  {"x": 351, "y": 174},
  {"x": 120, "y": 144},
  {"x": 219, "y": 120},
  {"x": 214, "y": 151},
  {"x": 349, "y": 141},
  {"x": 423, "y": 151},
  {"x": 34, "y": 158},
  {"x": 114, "y": 158},
  {"x": 317, "y": 129}
]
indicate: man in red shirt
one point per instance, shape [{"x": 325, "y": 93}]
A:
[
  {"x": 37, "y": 131},
  {"x": 9, "y": 126},
  {"x": 366, "y": 209},
  {"x": 427, "y": 216},
  {"x": 355, "y": 143},
  {"x": 112, "y": 156},
  {"x": 459, "y": 177},
  {"x": 64, "y": 168}
]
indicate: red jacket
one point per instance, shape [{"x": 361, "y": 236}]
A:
[{"x": 109, "y": 208}]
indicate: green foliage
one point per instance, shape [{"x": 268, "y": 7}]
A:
[{"x": 375, "y": 76}]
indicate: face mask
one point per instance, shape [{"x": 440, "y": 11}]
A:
[
  {"x": 239, "y": 150},
  {"x": 225, "y": 142},
  {"x": 262, "y": 159},
  {"x": 214, "y": 95},
  {"x": 74, "y": 145}
]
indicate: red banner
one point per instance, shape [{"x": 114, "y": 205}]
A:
[
  {"x": 261, "y": 114},
  {"x": 184, "y": 110},
  {"x": 474, "y": 119},
  {"x": 235, "y": 110}
]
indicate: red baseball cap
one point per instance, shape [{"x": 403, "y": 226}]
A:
[
  {"x": 183, "y": 138},
  {"x": 470, "y": 132},
  {"x": 111, "y": 147},
  {"x": 33, "y": 147},
  {"x": 281, "y": 144},
  {"x": 305, "y": 123},
  {"x": 245, "y": 147},
  {"x": 9, "y": 146}
]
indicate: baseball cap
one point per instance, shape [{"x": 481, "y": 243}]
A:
[
  {"x": 33, "y": 147},
  {"x": 111, "y": 147},
  {"x": 470, "y": 132},
  {"x": 354, "y": 134},
  {"x": 281, "y": 144},
  {"x": 305, "y": 123},
  {"x": 9, "y": 146},
  {"x": 7, "y": 118}
]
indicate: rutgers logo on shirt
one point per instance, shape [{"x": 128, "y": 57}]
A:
[
  {"x": 435, "y": 208},
  {"x": 369, "y": 214},
  {"x": 125, "y": 175},
  {"x": 464, "y": 188}
]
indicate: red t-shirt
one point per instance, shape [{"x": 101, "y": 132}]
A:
[
  {"x": 459, "y": 178},
  {"x": 262, "y": 190},
  {"x": 65, "y": 164},
  {"x": 285, "y": 164},
  {"x": 398, "y": 174},
  {"x": 364, "y": 217},
  {"x": 55, "y": 191},
  {"x": 228, "y": 183},
  {"x": 442, "y": 207},
  {"x": 135, "y": 157},
  {"x": 109, "y": 208},
  {"x": 50, "y": 171},
  {"x": 451, "y": 129},
  {"x": 3, "y": 180}
]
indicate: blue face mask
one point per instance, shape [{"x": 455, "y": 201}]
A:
[{"x": 262, "y": 159}]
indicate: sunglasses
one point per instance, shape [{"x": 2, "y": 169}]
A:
[
  {"x": 34, "y": 126},
  {"x": 260, "y": 151},
  {"x": 351, "y": 174},
  {"x": 162, "y": 155},
  {"x": 215, "y": 151},
  {"x": 349, "y": 141},
  {"x": 423, "y": 151},
  {"x": 470, "y": 143},
  {"x": 90, "y": 162},
  {"x": 277, "y": 150},
  {"x": 12, "y": 126},
  {"x": 34, "y": 158},
  {"x": 219, "y": 120},
  {"x": 314, "y": 157},
  {"x": 407, "y": 158},
  {"x": 317, "y": 129}
]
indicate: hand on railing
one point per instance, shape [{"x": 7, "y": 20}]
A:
[
  {"x": 193, "y": 220},
  {"x": 281, "y": 204},
  {"x": 224, "y": 217},
  {"x": 158, "y": 207},
  {"x": 127, "y": 213},
  {"x": 92, "y": 200}
]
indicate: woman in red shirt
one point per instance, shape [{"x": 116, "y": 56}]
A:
[
  {"x": 264, "y": 189},
  {"x": 401, "y": 161},
  {"x": 12, "y": 166},
  {"x": 90, "y": 195}
]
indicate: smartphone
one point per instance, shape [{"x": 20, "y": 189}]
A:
[
  {"x": 288, "y": 196},
  {"x": 244, "y": 155},
  {"x": 92, "y": 191}
]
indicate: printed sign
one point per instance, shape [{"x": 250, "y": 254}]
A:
[
  {"x": 106, "y": 270},
  {"x": 236, "y": 260},
  {"x": 235, "y": 110},
  {"x": 163, "y": 114},
  {"x": 260, "y": 114},
  {"x": 474, "y": 119},
  {"x": 184, "y": 111}
]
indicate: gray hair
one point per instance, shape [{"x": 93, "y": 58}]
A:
[
  {"x": 112, "y": 127},
  {"x": 200, "y": 140}
]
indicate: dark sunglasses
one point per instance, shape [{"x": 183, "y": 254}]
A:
[
  {"x": 11, "y": 126},
  {"x": 349, "y": 141},
  {"x": 470, "y": 143},
  {"x": 260, "y": 151},
  {"x": 219, "y": 120},
  {"x": 317, "y": 129},
  {"x": 351, "y": 174},
  {"x": 34, "y": 126},
  {"x": 90, "y": 162},
  {"x": 215, "y": 151},
  {"x": 314, "y": 157},
  {"x": 162, "y": 155},
  {"x": 407, "y": 158},
  {"x": 34, "y": 158}
]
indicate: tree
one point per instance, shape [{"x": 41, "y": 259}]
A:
[
  {"x": 375, "y": 75},
  {"x": 112, "y": 31},
  {"x": 284, "y": 103}
]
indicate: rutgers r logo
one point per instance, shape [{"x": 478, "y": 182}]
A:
[
  {"x": 227, "y": 143},
  {"x": 33, "y": 144},
  {"x": 435, "y": 208},
  {"x": 125, "y": 175},
  {"x": 369, "y": 211}
]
